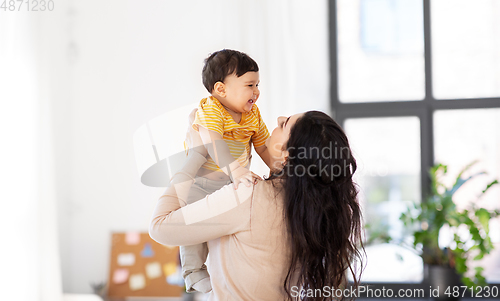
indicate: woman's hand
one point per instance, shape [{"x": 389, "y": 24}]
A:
[{"x": 193, "y": 139}]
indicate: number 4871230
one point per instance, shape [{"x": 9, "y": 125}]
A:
[
  {"x": 27, "y": 5},
  {"x": 478, "y": 292}
]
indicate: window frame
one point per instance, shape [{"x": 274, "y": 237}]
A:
[{"x": 423, "y": 109}]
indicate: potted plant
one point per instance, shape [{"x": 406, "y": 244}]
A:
[{"x": 426, "y": 220}]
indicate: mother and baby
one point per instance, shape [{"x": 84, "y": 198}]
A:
[{"x": 296, "y": 231}]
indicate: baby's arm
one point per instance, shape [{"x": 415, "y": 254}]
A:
[
  {"x": 264, "y": 154},
  {"x": 219, "y": 151},
  {"x": 259, "y": 141}
]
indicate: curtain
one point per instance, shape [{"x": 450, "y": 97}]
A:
[{"x": 29, "y": 256}]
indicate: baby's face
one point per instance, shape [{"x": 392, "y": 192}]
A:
[{"x": 242, "y": 92}]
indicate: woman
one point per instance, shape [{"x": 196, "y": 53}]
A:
[{"x": 295, "y": 233}]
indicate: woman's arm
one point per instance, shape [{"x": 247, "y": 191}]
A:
[{"x": 224, "y": 212}]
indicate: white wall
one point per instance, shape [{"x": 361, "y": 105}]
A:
[{"x": 130, "y": 61}]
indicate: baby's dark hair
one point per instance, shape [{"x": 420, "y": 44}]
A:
[{"x": 223, "y": 63}]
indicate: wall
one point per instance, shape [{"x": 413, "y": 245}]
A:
[{"x": 129, "y": 61}]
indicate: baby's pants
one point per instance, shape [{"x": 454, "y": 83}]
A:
[{"x": 193, "y": 257}]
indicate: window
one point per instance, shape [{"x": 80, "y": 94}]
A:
[
  {"x": 388, "y": 157},
  {"x": 381, "y": 50},
  {"x": 465, "y": 48},
  {"x": 415, "y": 82}
]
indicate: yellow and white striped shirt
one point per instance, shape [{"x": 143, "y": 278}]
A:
[{"x": 213, "y": 116}]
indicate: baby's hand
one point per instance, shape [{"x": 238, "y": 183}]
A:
[{"x": 243, "y": 175}]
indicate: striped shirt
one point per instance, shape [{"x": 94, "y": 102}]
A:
[{"x": 213, "y": 116}]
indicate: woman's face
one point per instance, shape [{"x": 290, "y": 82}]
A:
[{"x": 279, "y": 137}]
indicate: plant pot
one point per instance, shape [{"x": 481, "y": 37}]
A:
[{"x": 442, "y": 280}]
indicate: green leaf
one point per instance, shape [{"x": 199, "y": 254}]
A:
[
  {"x": 433, "y": 173},
  {"x": 459, "y": 182},
  {"x": 466, "y": 168},
  {"x": 481, "y": 281},
  {"x": 419, "y": 237},
  {"x": 489, "y": 186},
  {"x": 467, "y": 281},
  {"x": 460, "y": 265},
  {"x": 484, "y": 218}
]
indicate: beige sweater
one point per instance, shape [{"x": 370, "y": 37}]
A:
[{"x": 245, "y": 230}]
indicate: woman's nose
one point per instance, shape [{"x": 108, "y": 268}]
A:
[{"x": 280, "y": 119}]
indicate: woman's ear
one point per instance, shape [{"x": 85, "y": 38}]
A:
[
  {"x": 284, "y": 155},
  {"x": 220, "y": 89}
]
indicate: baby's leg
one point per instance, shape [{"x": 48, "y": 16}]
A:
[{"x": 193, "y": 257}]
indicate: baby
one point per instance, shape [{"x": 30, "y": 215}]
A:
[{"x": 228, "y": 121}]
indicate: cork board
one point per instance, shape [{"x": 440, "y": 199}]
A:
[{"x": 141, "y": 267}]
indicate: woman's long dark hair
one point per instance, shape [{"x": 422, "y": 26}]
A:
[{"x": 321, "y": 208}]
